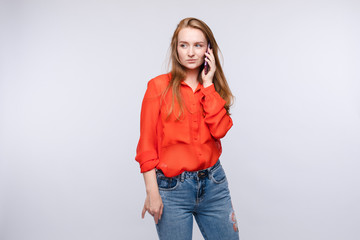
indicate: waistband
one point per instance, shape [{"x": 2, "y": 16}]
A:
[{"x": 200, "y": 174}]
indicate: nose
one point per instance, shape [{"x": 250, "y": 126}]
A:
[{"x": 191, "y": 52}]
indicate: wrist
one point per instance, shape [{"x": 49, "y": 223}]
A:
[
  {"x": 150, "y": 182},
  {"x": 152, "y": 191},
  {"x": 207, "y": 84}
]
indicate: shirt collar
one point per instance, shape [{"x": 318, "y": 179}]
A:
[{"x": 198, "y": 88}]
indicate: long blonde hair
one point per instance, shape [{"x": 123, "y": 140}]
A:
[{"x": 178, "y": 72}]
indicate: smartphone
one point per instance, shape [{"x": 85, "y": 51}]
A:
[{"x": 206, "y": 65}]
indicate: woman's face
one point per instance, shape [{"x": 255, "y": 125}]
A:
[{"x": 191, "y": 47}]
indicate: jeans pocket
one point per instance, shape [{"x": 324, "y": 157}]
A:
[
  {"x": 218, "y": 175},
  {"x": 165, "y": 183}
]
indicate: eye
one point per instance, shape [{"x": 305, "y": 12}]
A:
[
  {"x": 183, "y": 45},
  {"x": 198, "y": 45}
]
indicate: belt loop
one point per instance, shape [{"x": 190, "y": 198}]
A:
[
  {"x": 208, "y": 173},
  {"x": 182, "y": 176}
]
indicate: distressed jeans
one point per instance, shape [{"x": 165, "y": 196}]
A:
[{"x": 203, "y": 194}]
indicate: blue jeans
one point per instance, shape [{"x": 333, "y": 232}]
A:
[{"x": 203, "y": 194}]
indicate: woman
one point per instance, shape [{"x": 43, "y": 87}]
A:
[{"x": 183, "y": 116}]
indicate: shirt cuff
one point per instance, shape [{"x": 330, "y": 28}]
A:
[
  {"x": 208, "y": 90},
  {"x": 149, "y": 165}
]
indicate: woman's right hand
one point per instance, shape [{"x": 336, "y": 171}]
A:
[{"x": 153, "y": 205}]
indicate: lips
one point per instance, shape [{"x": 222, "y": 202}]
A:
[{"x": 191, "y": 61}]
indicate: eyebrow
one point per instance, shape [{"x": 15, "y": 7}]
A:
[{"x": 187, "y": 42}]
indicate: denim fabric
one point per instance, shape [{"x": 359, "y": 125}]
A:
[{"x": 203, "y": 194}]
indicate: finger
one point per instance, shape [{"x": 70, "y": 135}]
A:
[
  {"x": 211, "y": 52},
  {"x": 211, "y": 65},
  {"x": 210, "y": 57},
  {"x": 143, "y": 212},
  {"x": 156, "y": 217},
  {"x": 209, "y": 60},
  {"x": 161, "y": 211},
  {"x": 208, "y": 54}
]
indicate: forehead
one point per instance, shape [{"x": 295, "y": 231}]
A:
[{"x": 191, "y": 35}]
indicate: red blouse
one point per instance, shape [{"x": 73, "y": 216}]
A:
[{"x": 189, "y": 144}]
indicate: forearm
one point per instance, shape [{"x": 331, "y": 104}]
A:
[
  {"x": 150, "y": 181},
  {"x": 219, "y": 125},
  {"x": 216, "y": 117}
]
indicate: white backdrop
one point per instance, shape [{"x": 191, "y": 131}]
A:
[{"x": 72, "y": 77}]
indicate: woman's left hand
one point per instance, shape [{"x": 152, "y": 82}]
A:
[{"x": 208, "y": 78}]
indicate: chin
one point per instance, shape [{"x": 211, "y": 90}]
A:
[{"x": 192, "y": 67}]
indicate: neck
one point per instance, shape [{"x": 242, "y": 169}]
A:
[{"x": 192, "y": 75}]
